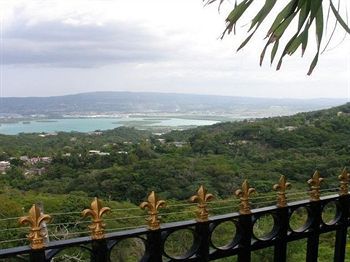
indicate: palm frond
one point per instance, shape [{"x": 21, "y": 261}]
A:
[{"x": 308, "y": 13}]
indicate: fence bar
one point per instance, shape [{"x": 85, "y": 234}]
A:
[
  {"x": 242, "y": 246},
  {"x": 99, "y": 251},
  {"x": 280, "y": 251},
  {"x": 246, "y": 233},
  {"x": 341, "y": 233},
  {"x": 154, "y": 248},
  {"x": 202, "y": 232},
  {"x": 37, "y": 255},
  {"x": 313, "y": 239}
]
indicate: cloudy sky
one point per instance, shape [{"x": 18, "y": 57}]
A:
[{"x": 56, "y": 47}]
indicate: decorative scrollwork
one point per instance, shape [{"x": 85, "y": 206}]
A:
[
  {"x": 153, "y": 204},
  {"x": 244, "y": 194},
  {"x": 96, "y": 212},
  {"x": 344, "y": 178},
  {"x": 315, "y": 185},
  {"x": 282, "y": 187},
  {"x": 202, "y": 198},
  {"x": 35, "y": 219}
]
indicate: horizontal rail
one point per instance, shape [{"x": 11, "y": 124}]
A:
[{"x": 202, "y": 247}]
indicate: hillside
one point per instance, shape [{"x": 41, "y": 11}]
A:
[
  {"x": 219, "y": 156},
  {"x": 101, "y": 102}
]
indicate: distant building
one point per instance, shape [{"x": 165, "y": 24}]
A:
[
  {"x": 238, "y": 142},
  {"x": 161, "y": 140},
  {"x": 48, "y": 134},
  {"x": 287, "y": 128},
  {"x": 34, "y": 172},
  {"x": 340, "y": 113},
  {"x": 24, "y": 158},
  {"x": 36, "y": 160},
  {"x": 122, "y": 152},
  {"x": 98, "y": 152},
  {"x": 95, "y": 133},
  {"x": 4, "y": 165},
  {"x": 179, "y": 143}
]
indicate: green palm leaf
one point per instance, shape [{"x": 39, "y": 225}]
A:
[{"x": 309, "y": 12}]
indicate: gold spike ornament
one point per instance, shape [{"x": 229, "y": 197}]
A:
[
  {"x": 282, "y": 187},
  {"x": 315, "y": 185},
  {"x": 344, "y": 182},
  {"x": 35, "y": 219},
  {"x": 153, "y": 204},
  {"x": 202, "y": 198},
  {"x": 244, "y": 194},
  {"x": 96, "y": 212}
]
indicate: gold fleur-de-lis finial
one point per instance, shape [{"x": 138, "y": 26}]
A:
[
  {"x": 35, "y": 219},
  {"x": 202, "y": 198},
  {"x": 153, "y": 204},
  {"x": 244, "y": 194},
  {"x": 96, "y": 212},
  {"x": 282, "y": 187},
  {"x": 344, "y": 178},
  {"x": 315, "y": 185}
]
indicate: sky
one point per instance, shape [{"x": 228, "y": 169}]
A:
[{"x": 58, "y": 47}]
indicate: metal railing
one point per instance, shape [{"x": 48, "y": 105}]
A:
[{"x": 201, "y": 245}]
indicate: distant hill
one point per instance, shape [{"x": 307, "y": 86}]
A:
[{"x": 101, "y": 102}]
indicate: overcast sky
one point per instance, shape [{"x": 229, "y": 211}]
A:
[{"x": 57, "y": 47}]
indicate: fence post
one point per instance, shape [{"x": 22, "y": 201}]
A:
[
  {"x": 35, "y": 219},
  {"x": 341, "y": 233},
  {"x": 316, "y": 213},
  {"x": 202, "y": 231},
  {"x": 99, "y": 244},
  {"x": 100, "y": 251},
  {"x": 154, "y": 249},
  {"x": 280, "y": 251},
  {"x": 202, "y": 226},
  {"x": 37, "y": 255},
  {"x": 245, "y": 222},
  {"x": 246, "y": 228}
]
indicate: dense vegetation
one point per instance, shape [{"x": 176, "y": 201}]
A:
[
  {"x": 173, "y": 164},
  {"x": 219, "y": 156}
]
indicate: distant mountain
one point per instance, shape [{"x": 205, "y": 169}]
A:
[{"x": 102, "y": 102}]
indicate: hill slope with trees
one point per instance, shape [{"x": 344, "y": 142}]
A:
[{"x": 220, "y": 156}]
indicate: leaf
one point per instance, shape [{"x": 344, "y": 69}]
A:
[
  {"x": 339, "y": 18},
  {"x": 319, "y": 33},
  {"x": 304, "y": 13},
  {"x": 246, "y": 41},
  {"x": 234, "y": 15},
  {"x": 308, "y": 12},
  {"x": 286, "y": 12},
  {"x": 319, "y": 27},
  {"x": 261, "y": 15},
  {"x": 238, "y": 11},
  {"x": 315, "y": 6},
  {"x": 313, "y": 64},
  {"x": 262, "y": 55},
  {"x": 294, "y": 45},
  {"x": 274, "y": 50},
  {"x": 282, "y": 28},
  {"x": 304, "y": 39}
]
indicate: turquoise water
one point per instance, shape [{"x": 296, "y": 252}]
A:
[{"x": 92, "y": 124}]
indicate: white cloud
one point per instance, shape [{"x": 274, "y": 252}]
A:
[{"x": 153, "y": 45}]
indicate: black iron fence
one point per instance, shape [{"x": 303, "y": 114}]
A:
[{"x": 201, "y": 244}]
